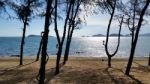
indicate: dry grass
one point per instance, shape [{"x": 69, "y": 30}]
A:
[{"x": 76, "y": 71}]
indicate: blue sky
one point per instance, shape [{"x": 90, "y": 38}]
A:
[{"x": 95, "y": 24}]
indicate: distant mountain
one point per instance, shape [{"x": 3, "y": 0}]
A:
[
  {"x": 127, "y": 35},
  {"x": 98, "y": 35},
  {"x": 34, "y": 35},
  {"x": 85, "y": 36},
  {"x": 101, "y": 35},
  {"x": 146, "y": 34},
  {"x": 114, "y": 35}
]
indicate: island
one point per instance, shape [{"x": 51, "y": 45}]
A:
[
  {"x": 98, "y": 35},
  {"x": 115, "y": 35}
]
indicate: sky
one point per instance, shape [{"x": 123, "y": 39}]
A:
[{"x": 95, "y": 24}]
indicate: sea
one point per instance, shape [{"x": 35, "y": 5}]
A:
[{"x": 80, "y": 46}]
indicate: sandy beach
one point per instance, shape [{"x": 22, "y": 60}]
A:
[{"x": 78, "y": 70}]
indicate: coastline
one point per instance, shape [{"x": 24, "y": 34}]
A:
[{"x": 77, "y": 58}]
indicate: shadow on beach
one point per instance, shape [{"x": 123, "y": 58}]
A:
[{"x": 75, "y": 72}]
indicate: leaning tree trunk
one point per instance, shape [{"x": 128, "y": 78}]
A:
[
  {"x": 55, "y": 23},
  {"x": 68, "y": 46},
  {"x": 39, "y": 51},
  {"x": 44, "y": 43},
  {"x": 58, "y": 58},
  {"x": 149, "y": 60},
  {"x": 70, "y": 31},
  {"x": 24, "y": 31},
  {"x": 40, "y": 46},
  {"x": 67, "y": 43},
  {"x": 62, "y": 41},
  {"x": 22, "y": 41},
  {"x": 67, "y": 51},
  {"x": 136, "y": 38}
]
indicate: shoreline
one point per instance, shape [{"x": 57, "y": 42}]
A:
[{"x": 79, "y": 57}]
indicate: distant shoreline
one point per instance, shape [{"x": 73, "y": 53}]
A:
[
  {"x": 76, "y": 56},
  {"x": 116, "y": 35},
  {"x": 73, "y": 37}
]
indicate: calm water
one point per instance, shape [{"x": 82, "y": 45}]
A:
[{"x": 82, "y": 46}]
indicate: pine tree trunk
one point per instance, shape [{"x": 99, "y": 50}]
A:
[
  {"x": 67, "y": 45},
  {"x": 130, "y": 59},
  {"x": 44, "y": 43},
  {"x": 24, "y": 32},
  {"x": 22, "y": 42},
  {"x": 109, "y": 62},
  {"x": 107, "y": 36},
  {"x": 69, "y": 38},
  {"x": 62, "y": 41},
  {"x": 149, "y": 60},
  {"x": 39, "y": 51},
  {"x": 58, "y": 59},
  {"x": 70, "y": 31},
  {"x": 136, "y": 38},
  {"x": 67, "y": 51}
]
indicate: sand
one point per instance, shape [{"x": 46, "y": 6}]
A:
[{"x": 76, "y": 71}]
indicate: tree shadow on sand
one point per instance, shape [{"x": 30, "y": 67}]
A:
[
  {"x": 68, "y": 74},
  {"x": 28, "y": 76},
  {"x": 2, "y": 72},
  {"x": 112, "y": 76},
  {"x": 133, "y": 78},
  {"x": 14, "y": 75},
  {"x": 93, "y": 76},
  {"x": 141, "y": 67},
  {"x": 87, "y": 76},
  {"x": 50, "y": 74},
  {"x": 121, "y": 79}
]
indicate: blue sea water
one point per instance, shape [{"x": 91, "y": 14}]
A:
[{"x": 80, "y": 46}]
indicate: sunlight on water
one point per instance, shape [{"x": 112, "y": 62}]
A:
[{"x": 80, "y": 46}]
